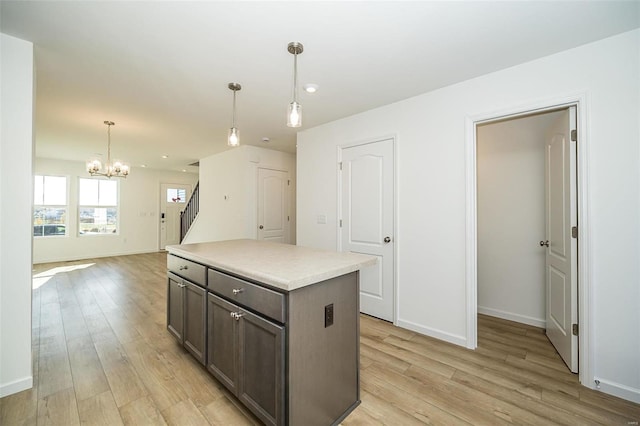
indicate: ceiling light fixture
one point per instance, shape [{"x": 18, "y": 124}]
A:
[
  {"x": 294, "y": 113},
  {"x": 310, "y": 88},
  {"x": 234, "y": 133},
  {"x": 117, "y": 169}
]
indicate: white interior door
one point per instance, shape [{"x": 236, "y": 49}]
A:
[
  {"x": 273, "y": 205},
  {"x": 367, "y": 214},
  {"x": 561, "y": 248},
  {"x": 173, "y": 199}
]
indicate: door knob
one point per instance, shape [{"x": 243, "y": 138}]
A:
[
  {"x": 261, "y": 227},
  {"x": 387, "y": 239},
  {"x": 544, "y": 243}
]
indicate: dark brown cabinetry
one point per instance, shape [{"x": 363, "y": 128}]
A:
[
  {"x": 246, "y": 353},
  {"x": 175, "y": 307},
  {"x": 291, "y": 357},
  {"x": 187, "y": 307},
  {"x": 195, "y": 317}
]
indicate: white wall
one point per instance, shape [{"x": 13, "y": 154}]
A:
[
  {"x": 139, "y": 229},
  {"x": 511, "y": 219},
  {"x": 16, "y": 153},
  {"x": 430, "y": 131},
  {"x": 234, "y": 174}
]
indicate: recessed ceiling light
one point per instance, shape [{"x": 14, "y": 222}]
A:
[
  {"x": 165, "y": 156},
  {"x": 265, "y": 140},
  {"x": 143, "y": 165},
  {"x": 183, "y": 170},
  {"x": 310, "y": 88}
]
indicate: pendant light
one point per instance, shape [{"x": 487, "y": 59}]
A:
[
  {"x": 294, "y": 113},
  {"x": 234, "y": 133},
  {"x": 115, "y": 169}
]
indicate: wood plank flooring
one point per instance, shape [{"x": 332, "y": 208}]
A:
[{"x": 102, "y": 355}]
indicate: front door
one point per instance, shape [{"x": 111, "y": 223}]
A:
[
  {"x": 561, "y": 247},
  {"x": 367, "y": 215},
  {"x": 173, "y": 199},
  {"x": 273, "y": 205}
]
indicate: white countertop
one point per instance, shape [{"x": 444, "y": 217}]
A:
[{"x": 282, "y": 266}]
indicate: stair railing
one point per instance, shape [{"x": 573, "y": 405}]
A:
[{"x": 188, "y": 215}]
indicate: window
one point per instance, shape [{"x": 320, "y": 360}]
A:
[
  {"x": 98, "y": 207},
  {"x": 176, "y": 195},
  {"x": 49, "y": 206}
]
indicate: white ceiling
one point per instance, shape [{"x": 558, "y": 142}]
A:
[{"x": 160, "y": 70}]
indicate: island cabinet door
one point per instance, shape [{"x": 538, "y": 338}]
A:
[
  {"x": 261, "y": 385},
  {"x": 222, "y": 341},
  {"x": 175, "y": 307},
  {"x": 195, "y": 302}
]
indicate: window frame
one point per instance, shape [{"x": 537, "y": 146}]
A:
[
  {"x": 50, "y": 206},
  {"x": 98, "y": 206}
]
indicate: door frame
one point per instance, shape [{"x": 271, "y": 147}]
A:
[
  {"x": 161, "y": 200},
  {"x": 396, "y": 211},
  {"x": 585, "y": 289}
]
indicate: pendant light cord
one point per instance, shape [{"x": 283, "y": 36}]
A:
[
  {"x": 233, "y": 119},
  {"x": 295, "y": 77}
]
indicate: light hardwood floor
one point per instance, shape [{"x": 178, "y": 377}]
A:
[{"x": 102, "y": 355}]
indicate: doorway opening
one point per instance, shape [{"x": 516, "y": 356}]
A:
[
  {"x": 524, "y": 202},
  {"x": 477, "y": 269},
  {"x": 173, "y": 199}
]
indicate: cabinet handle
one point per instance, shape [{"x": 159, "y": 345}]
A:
[
  {"x": 238, "y": 290},
  {"x": 236, "y": 315},
  {"x": 182, "y": 285},
  {"x": 185, "y": 267}
]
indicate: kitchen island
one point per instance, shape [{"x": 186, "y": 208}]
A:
[{"x": 278, "y": 325}]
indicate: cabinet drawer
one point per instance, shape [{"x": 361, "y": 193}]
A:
[
  {"x": 260, "y": 299},
  {"x": 192, "y": 271}
]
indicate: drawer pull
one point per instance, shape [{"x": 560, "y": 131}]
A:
[
  {"x": 236, "y": 315},
  {"x": 184, "y": 268},
  {"x": 238, "y": 290}
]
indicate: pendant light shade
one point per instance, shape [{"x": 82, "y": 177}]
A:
[
  {"x": 294, "y": 115},
  {"x": 234, "y": 133},
  {"x": 234, "y": 137},
  {"x": 294, "y": 112}
]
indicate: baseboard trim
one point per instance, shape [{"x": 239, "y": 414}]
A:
[
  {"x": 89, "y": 256},
  {"x": 617, "y": 389},
  {"x": 16, "y": 386},
  {"x": 438, "y": 334},
  {"x": 536, "y": 322}
]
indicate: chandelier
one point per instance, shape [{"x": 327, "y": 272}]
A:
[{"x": 115, "y": 169}]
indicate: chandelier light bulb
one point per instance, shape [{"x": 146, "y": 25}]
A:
[{"x": 94, "y": 166}]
